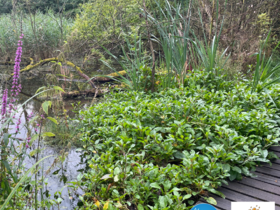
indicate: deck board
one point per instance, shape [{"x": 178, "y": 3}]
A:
[{"x": 262, "y": 188}]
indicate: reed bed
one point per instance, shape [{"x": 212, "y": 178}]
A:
[{"x": 43, "y": 34}]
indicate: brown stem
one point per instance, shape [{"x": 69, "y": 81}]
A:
[{"x": 151, "y": 46}]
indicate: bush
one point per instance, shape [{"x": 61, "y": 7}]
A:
[
  {"x": 104, "y": 21},
  {"x": 165, "y": 150}
]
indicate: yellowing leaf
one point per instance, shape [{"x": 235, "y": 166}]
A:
[
  {"x": 97, "y": 203},
  {"x": 58, "y": 88},
  {"x": 106, "y": 205},
  {"x": 211, "y": 201},
  {"x": 49, "y": 134},
  {"x": 53, "y": 120},
  {"x": 119, "y": 205}
]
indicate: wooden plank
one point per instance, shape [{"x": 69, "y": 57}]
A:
[
  {"x": 267, "y": 179},
  {"x": 276, "y": 153},
  {"x": 260, "y": 185},
  {"x": 222, "y": 204},
  {"x": 253, "y": 192},
  {"x": 277, "y": 161},
  {"x": 235, "y": 196},
  {"x": 275, "y": 148},
  {"x": 273, "y": 166},
  {"x": 268, "y": 171}
]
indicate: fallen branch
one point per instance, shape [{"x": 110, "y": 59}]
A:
[{"x": 78, "y": 69}]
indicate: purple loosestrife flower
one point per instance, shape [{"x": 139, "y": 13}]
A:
[
  {"x": 18, "y": 123},
  {"x": 27, "y": 144},
  {"x": 16, "y": 88}
]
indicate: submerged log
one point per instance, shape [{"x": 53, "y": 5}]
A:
[{"x": 93, "y": 92}]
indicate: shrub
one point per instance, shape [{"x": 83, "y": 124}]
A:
[
  {"x": 164, "y": 150},
  {"x": 108, "y": 19}
]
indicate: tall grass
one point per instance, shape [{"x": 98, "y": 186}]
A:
[
  {"x": 47, "y": 31},
  {"x": 266, "y": 72},
  {"x": 174, "y": 30},
  {"x": 135, "y": 62},
  {"x": 207, "y": 50}
]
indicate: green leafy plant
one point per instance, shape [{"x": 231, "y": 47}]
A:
[{"x": 167, "y": 149}]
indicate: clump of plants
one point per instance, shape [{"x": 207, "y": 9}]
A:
[{"x": 167, "y": 149}]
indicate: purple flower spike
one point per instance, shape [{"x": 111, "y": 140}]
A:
[{"x": 16, "y": 86}]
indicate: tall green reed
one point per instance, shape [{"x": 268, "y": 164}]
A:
[
  {"x": 134, "y": 61},
  {"x": 207, "y": 50},
  {"x": 173, "y": 26},
  {"x": 266, "y": 73}
]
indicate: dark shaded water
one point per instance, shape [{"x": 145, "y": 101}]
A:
[{"x": 72, "y": 163}]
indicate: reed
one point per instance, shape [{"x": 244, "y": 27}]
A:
[
  {"x": 46, "y": 31},
  {"x": 266, "y": 72}
]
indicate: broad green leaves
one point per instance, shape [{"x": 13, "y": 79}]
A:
[
  {"x": 46, "y": 106},
  {"x": 157, "y": 147}
]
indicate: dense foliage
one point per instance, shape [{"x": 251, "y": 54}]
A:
[
  {"x": 163, "y": 150},
  {"x": 41, "y": 5},
  {"x": 42, "y": 37}
]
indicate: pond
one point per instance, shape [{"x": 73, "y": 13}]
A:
[{"x": 62, "y": 172}]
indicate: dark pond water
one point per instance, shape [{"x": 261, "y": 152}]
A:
[{"x": 72, "y": 163}]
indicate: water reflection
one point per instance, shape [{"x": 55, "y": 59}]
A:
[{"x": 66, "y": 171}]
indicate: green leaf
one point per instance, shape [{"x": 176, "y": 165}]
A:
[
  {"x": 53, "y": 120},
  {"x": 106, "y": 176},
  {"x": 48, "y": 134},
  {"x": 187, "y": 196},
  {"x": 116, "y": 178},
  {"x": 211, "y": 200},
  {"x": 39, "y": 89},
  {"x": 155, "y": 185},
  {"x": 6, "y": 139},
  {"x": 79, "y": 177},
  {"x": 140, "y": 207},
  {"x": 46, "y": 106},
  {"x": 33, "y": 138},
  {"x": 162, "y": 202},
  {"x": 237, "y": 169},
  {"x": 33, "y": 152},
  {"x": 58, "y": 88},
  {"x": 59, "y": 200},
  {"x": 179, "y": 155}
]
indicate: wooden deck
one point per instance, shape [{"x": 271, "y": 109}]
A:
[{"x": 264, "y": 187}]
